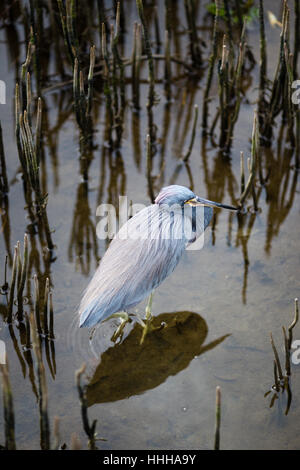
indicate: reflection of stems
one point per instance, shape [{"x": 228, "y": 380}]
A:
[
  {"x": 242, "y": 172},
  {"x": 289, "y": 394},
  {"x": 186, "y": 157},
  {"x": 136, "y": 64},
  {"x": 157, "y": 32},
  {"x": 296, "y": 36},
  {"x": 290, "y": 108},
  {"x": 212, "y": 60},
  {"x": 83, "y": 234},
  {"x": 17, "y": 349},
  {"x": 149, "y": 168},
  {"x": 239, "y": 13},
  {"x": 297, "y": 153},
  {"x": 89, "y": 429},
  {"x": 252, "y": 188},
  {"x": 243, "y": 239},
  {"x": 48, "y": 326},
  {"x": 118, "y": 59},
  {"x": 107, "y": 83},
  {"x": 9, "y": 418},
  {"x": 280, "y": 375},
  {"x": 3, "y": 175},
  {"x": 28, "y": 342},
  {"x": 218, "y": 418},
  {"x": 194, "y": 41},
  {"x": 43, "y": 394},
  {"x": 168, "y": 77},
  {"x": 263, "y": 63},
  {"x": 117, "y": 62},
  {"x": 229, "y": 28},
  {"x": 151, "y": 94}
]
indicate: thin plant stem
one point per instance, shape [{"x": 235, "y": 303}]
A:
[
  {"x": 12, "y": 285},
  {"x": 293, "y": 324},
  {"x": 149, "y": 168},
  {"x": 23, "y": 275},
  {"x": 242, "y": 166},
  {"x": 37, "y": 304}
]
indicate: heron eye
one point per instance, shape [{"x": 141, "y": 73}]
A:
[{"x": 190, "y": 201}]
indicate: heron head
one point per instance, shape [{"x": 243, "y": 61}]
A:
[
  {"x": 174, "y": 194},
  {"x": 180, "y": 195}
]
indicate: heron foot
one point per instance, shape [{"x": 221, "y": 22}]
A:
[
  {"x": 148, "y": 327},
  {"x": 120, "y": 330}
]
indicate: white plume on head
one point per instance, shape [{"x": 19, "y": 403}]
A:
[{"x": 174, "y": 194}]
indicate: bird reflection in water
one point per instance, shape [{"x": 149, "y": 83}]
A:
[{"x": 127, "y": 369}]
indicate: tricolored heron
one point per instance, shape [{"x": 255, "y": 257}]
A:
[{"x": 143, "y": 253}]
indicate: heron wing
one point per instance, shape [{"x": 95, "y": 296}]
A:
[{"x": 144, "y": 252}]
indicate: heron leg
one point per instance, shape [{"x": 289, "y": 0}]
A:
[
  {"x": 147, "y": 324},
  {"x": 120, "y": 330},
  {"x": 92, "y": 332}
]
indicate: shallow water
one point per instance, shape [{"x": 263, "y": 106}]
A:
[{"x": 170, "y": 403}]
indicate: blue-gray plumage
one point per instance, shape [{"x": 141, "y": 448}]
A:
[{"x": 144, "y": 252}]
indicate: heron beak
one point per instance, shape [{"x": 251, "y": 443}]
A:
[{"x": 199, "y": 201}]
